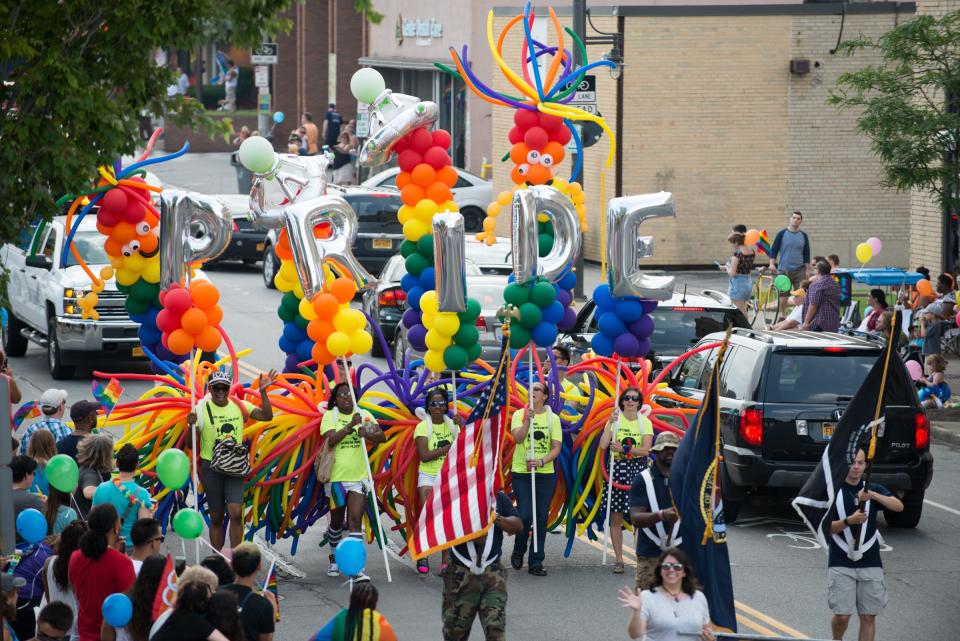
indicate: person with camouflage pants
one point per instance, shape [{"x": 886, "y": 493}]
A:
[{"x": 473, "y": 584}]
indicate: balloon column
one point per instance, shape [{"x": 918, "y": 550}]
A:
[{"x": 400, "y": 126}]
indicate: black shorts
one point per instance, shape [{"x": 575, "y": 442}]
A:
[{"x": 219, "y": 489}]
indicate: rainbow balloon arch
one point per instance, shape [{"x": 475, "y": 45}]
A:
[{"x": 154, "y": 251}]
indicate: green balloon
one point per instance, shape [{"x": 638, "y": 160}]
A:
[
  {"x": 144, "y": 291},
  {"x": 471, "y": 313},
  {"x": 544, "y": 244},
  {"x": 474, "y": 352},
  {"x": 519, "y": 336},
  {"x": 530, "y": 315},
  {"x": 188, "y": 523},
  {"x": 455, "y": 357},
  {"x": 291, "y": 302},
  {"x": 62, "y": 473},
  {"x": 300, "y": 321},
  {"x": 173, "y": 468},
  {"x": 542, "y": 294},
  {"x": 516, "y": 294},
  {"x": 285, "y": 314},
  {"x": 416, "y": 263},
  {"x": 136, "y": 306},
  {"x": 466, "y": 335},
  {"x": 256, "y": 154},
  {"x": 408, "y": 247},
  {"x": 425, "y": 246},
  {"x": 782, "y": 283},
  {"x": 366, "y": 84},
  {"x": 125, "y": 289}
]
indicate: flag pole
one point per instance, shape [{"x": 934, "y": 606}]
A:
[
  {"x": 366, "y": 460},
  {"x": 530, "y": 448},
  {"x": 613, "y": 462},
  {"x": 196, "y": 443}
]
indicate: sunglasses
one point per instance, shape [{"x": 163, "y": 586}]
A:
[
  {"x": 676, "y": 567},
  {"x": 437, "y": 404},
  {"x": 160, "y": 538},
  {"x": 632, "y": 397},
  {"x": 219, "y": 388}
]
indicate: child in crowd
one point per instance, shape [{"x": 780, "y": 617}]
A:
[{"x": 935, "y": 390}]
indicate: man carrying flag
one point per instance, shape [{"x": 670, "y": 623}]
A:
[{"x": 652, "y": 509}]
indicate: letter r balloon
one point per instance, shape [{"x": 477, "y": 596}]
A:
[
  {"x": 528, "y": 204},
  {"x": 625, "y": 245},
  {"x": 194, "y": 228}
]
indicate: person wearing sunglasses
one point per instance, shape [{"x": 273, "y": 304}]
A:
[
  {"x": 54, "y": 622},
  {"x": 629, "y": 434},
  {"x": 532, "y": 470},
  {"x": 345, "y": 428},
  {"x": 147, "y": 539},
  {"x": 673, "y": 607},
  {"x": 433, "y": 437}
]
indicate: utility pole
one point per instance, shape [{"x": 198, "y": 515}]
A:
[
  {"x": 8, "y": 533},
  {"x": 580, "y": 28}
]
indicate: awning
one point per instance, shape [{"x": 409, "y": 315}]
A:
[{"x": 399, "y": 63}]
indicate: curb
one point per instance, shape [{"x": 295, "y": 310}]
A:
[{"x": 945, "y": 435}]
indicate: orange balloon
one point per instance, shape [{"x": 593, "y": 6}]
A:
[
  {"x": 148, "y": 243},
  {"x": 438, "y": 192},
  {"x": 403, "y": 179},
  {"x": 319, "y": 328},
  {"x": 326, "y": 306},
  {"x": 123, "y": 232},
  {"x": 344, "y": 289},
  {"x": 539, "y": 175},
  {"x": 518, "y": 153},
  {"x": 555, "y": 150},
  {"x": 205, "y": 294},
  {"x": 323, "y": 231},
  {"x": 209, "y": 339},
  {"x": 179, "y": 342},
  {"x": 752, "y": 237},
  {"x": 321, "y": 354},
  {"x": 447, "y": 175},
  {"x": 214, "y": 315},
  {"x": 925, "y": 287},
  {"x": 113, "y": 247},
  {"x": 193, "y": 321},
  {"x": 423, "y": 175},
  {"x": 104, "y": 229},
  {"x": 411, "y": 194},
  {"x": 282, "y": 249}
]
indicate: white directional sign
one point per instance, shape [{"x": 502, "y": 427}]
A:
[{"x": 261, "y": 74}]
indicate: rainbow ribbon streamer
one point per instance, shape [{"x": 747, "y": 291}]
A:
[{"x": 30, "y": 409}]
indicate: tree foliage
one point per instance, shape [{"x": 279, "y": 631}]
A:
[
  {"x": 910, "y": 103},
  {"x": 76, "y": 75}
]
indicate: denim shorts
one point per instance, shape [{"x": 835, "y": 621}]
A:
[{"x": 740, "y": 286}]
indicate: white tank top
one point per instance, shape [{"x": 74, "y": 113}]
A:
[{"x": 66, "y": 596}]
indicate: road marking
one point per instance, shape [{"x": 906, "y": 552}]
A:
[
  {"x": 942, "y": 507},
  {"x": 768, "y": 620},
  {"x": 756, "y": 627}
]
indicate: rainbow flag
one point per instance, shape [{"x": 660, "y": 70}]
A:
[
  {"x": 763, "y": 244},
  {"x": 108, "y": 395},
  {"x": 30, "y": 409},
  {"x": 270, "y": 585}
]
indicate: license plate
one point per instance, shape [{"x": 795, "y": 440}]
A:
[
  {"x": 827, "y": 431},
  {"x": 382, "y": 243},
  {"x": 259, "y": 247},
  {"x": 137, "y": 352}
]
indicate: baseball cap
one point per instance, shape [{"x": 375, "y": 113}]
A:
[
  {"x": 219, "y": 378},
  {"x": 83, "y": 409},
  {"x": 9, "y": 581},
  {"x": 665, "y": 440},
  {"x": 53, "y": 398}
]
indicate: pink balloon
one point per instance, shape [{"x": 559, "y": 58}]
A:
[
  {"x": 875, "y": 244},
  {"x": 915, "y": 370}
]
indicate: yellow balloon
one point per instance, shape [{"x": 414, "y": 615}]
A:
[
  {"x": 414, "y": 228},
  {"x": 505, "y": 197},
  {"x": 449, "y": 206},
  {"x": 126, "y": 277},
  {"x": 297, "y": 289},
  {"x": 447, "y": 323},
  {"x": 493, "y": 209},
  {"x": 434, "y": 361},
  {"x": 361, "y": 342},
  {"x": 338, "y": 343},
  {"x": 306, "y": 309},
  {"x": 106, "y": 273},
  {"x": 490, "y": 240},
  {"x": 135, "y": 263},
  {"x": 429, "y": 318},
  {"x": 561, "y": 184},
  {"x": 864, "y": 252},
  {"x": 436, "y": 341},
  {"x": 151, "y": 273},
  {"x": 349, "y": 321},
  {"x": 282, "y": 284},
  {"x": 489, "y": 224},
  {"x": 542, "y": 218},
  {"x": 288, "y": 271},
  {"x": 404, "y": 214},
  {"x": 429, "y": 303},
  {"x": 116, "y": 261},
  {"x": 425, "y": 209}
]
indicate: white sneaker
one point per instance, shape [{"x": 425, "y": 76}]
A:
[
  {"x": 333, "y": 570},
  {"x": 360, "y": 578}
]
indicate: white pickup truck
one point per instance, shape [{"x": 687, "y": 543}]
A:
[{"x": 42, "y": 297}]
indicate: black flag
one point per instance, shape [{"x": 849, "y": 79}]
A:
[{"x": 887, "y": 381}]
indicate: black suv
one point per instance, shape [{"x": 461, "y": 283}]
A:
[{"x": 781, "y": 396}]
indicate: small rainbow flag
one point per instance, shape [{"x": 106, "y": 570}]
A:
[
  {"x": 108, "y": 395},
  {"x": 763, "y": 244},
  {"x": 30, "y": 409},
  {"x": 270, "y": 585}
]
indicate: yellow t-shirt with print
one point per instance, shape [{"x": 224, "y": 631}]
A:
[
  {"x": 632, "y": 432},
  {"x": 221, "y": 422},
  {"x": 440, "y": 435},
  {"x": 544, "y": 433},
  {"x": 348, "y": 455}
]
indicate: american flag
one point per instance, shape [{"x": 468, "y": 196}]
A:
[{"x": 464, "y": 494}]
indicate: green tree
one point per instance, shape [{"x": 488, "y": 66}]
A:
[
  {"x": 910, "y": 104},
  {"x": 76, "y": 75}
]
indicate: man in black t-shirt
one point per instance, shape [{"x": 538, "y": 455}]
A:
[
  {"x": 84, "y": 417},
  {"x": 331, "y": 126},
  {"x": 257, "y": 612}
]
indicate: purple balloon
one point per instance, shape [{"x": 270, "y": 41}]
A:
[
  {"x": 642, "y": 327},
  {"x": 163, "y": 353},
  {"x": 290, "y": 365},
  {"x": 410, "y": 318},
  {"x": 565, "y": 297},
  {"x": 648, "y": 305},
  {"x": 417, "y": 337},
  {"x": 568, "y": 321},
  {"x": 643, "y": 347},
  {"x": 626, "y": 345}
]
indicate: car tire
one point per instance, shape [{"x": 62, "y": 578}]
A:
[
  {"x": 270, "y": 267},
  {"x": 733, "y": 497},
  {"x": 58, "y": 370},
  {"x": 13, "y": 343},
  {"x": 912, "y": 509},
  {"x": 472, "y": 219},
  {"x": 399, "y": 349}
]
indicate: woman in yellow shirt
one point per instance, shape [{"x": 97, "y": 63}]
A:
[
  {"x": 547, "y": 437},
  {"x": 634, "y": 436},
  {"x": 433, "y": 438}
]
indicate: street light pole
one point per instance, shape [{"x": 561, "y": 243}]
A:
[
  {"x": 7, "y": 528},
  {"x": 580, "y": 28}
]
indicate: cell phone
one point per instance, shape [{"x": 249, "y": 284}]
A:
[{"x": 719, "y": 264}]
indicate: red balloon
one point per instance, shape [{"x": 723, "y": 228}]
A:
[
  {"x": 515, "y": 135},
  {"x": 436, "y": 157},
  {"x": 441, "y": 138},
  {"x": 167, "y": 321},
  {"x": 108, "y": 217},
  {"x": 177, "y": 301},
  {"x": 135, "y": 211},
  {"x": 400, "y": 146},
  {"x": 562, "y": 135},
  {"x": 536, "y": 137},
  {"x": 420, "y": 140},
  {"x": 550, "y": 122},
  {"x": 114, "y": 200},
  {"x": 524, "y": 118},
  {"x": 409, "y": 159}
]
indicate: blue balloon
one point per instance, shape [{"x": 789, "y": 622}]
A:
[
  {"x": 428, "y": 279},
  {"x": 553, "y": 312},
  {"x": 31, "y": 526},
  {"x": 286, "y": 345},
  {"x": 278, "y": 117},
  {"x": 149, "y": 335},
  {"x": 138, "y": 318},
  {"x": 413, "y": 297},
  {"x": 603, "y": 298},
  {"x": 602, "y": 344},
  {"x": 567, "y": 281},
  {"x": 304, "y": 349},
  {"x": 117, "y": 609},
  {"x": 610, "y": 325},
  {"x": 351, "y": 556},
  {"x": 628, "y": 310},
  {"x": 293, "y": 333},
  {"x": 408, "y": 282},
  {"x": 544, "y": 334},
  {"x": 923, "y": 394}
]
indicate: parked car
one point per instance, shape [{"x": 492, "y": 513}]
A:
[
  {"x": 678, "y": 323},
  {"x": 248, "y": 242},
  {"x": 471, "y": 193},
  {"x": 491, "y": 259},
  {"x": 488, "y": 291},
  {"x": 379, "y": 232},
  {"x": 386, "y": 302},
  {"x": 781, "y": 396}
]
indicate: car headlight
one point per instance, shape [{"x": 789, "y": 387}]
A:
[{"x": 70, "y": 298}]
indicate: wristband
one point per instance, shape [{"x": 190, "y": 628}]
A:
[
  {"x": 846, "y": 522},
  {"x": 659, "y": 515}
]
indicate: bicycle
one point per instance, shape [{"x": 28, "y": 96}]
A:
[{"x": 763, "y": 296}]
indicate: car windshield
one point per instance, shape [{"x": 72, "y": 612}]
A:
[
  {"x": 677, "y": 330},
  {"x": 396, "y": 268},
  {"x": 489, "y": 295},
  {"x": 89, "y": 245},
  {"x": 376, "y": 212},
  {"x": 818, "y": 377},
  {"x": 483, "y": 254}
]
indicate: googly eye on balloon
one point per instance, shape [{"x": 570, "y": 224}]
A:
[
  {"x": 533, "y": 156},
  {"x": 523, "y": 169},
  {"x": 546, "y": 160},
  {"x": 143, "y": 228},
  {"x": 131, "y": 248}
]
